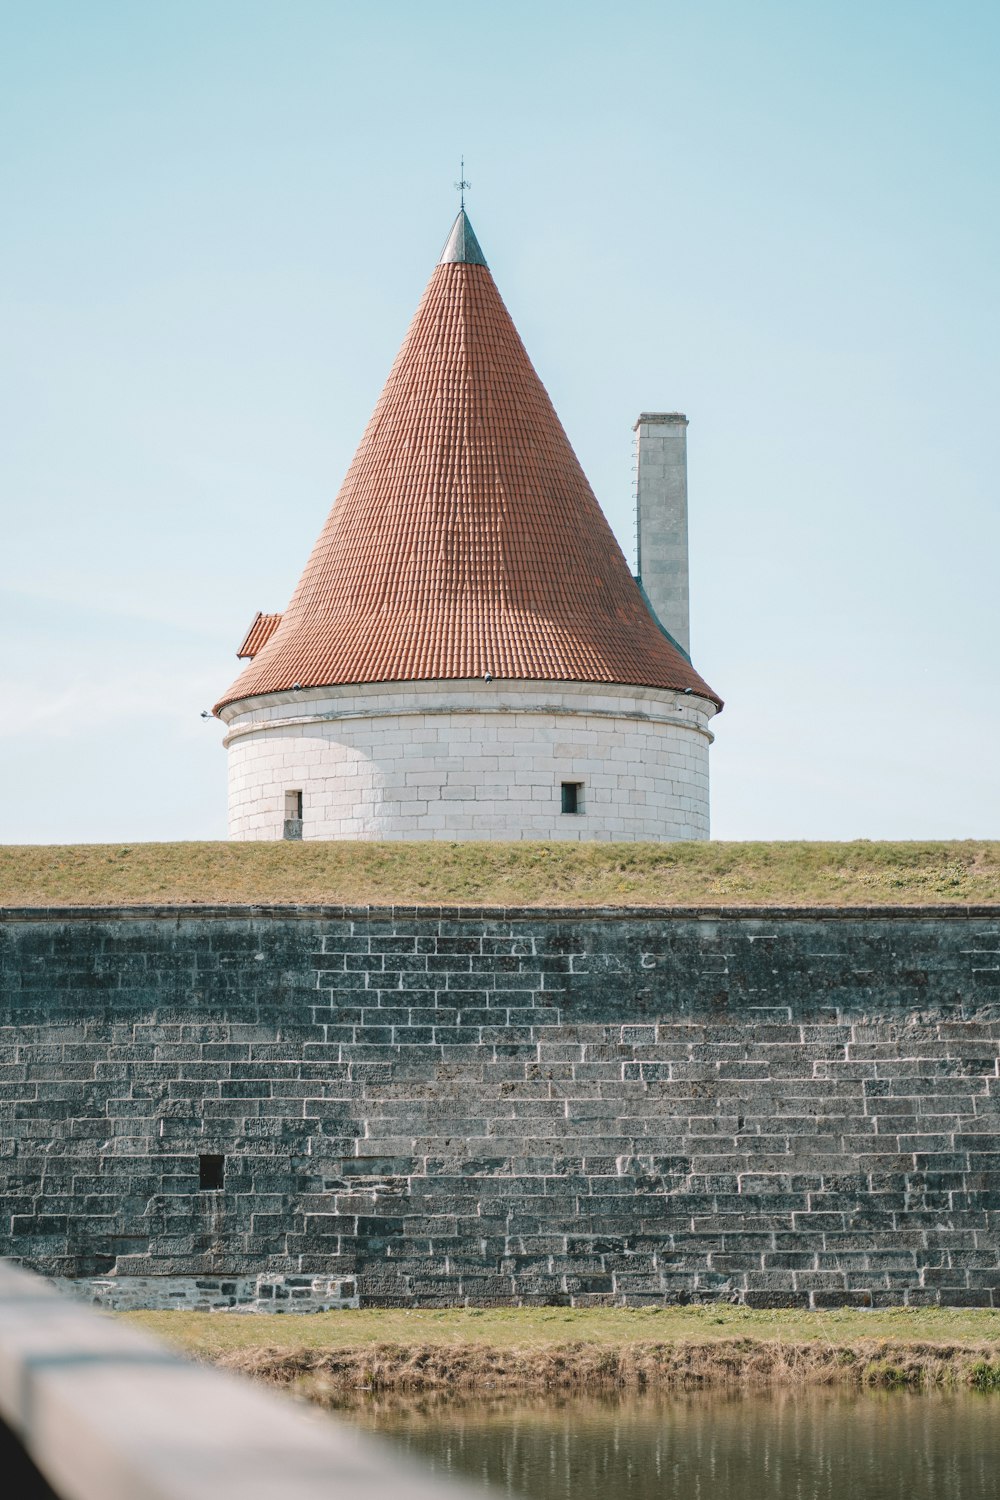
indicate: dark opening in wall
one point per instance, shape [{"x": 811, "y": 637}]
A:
[
  {"x": 572, "y": 796},
  {"x": 211, "y": 1170},
  {"x": 293, "y": 815}
]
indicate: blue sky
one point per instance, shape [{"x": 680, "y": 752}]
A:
[{"x": 780, "y": 218}]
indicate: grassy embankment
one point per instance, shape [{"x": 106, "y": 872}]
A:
[
  {"x": 515, "y": 874},
  {"x": 340, "y": 1357}
]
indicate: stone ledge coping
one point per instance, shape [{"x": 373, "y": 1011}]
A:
[
  {"x": 107, "y": 1413},
  {"x": 306, "y": 912}
]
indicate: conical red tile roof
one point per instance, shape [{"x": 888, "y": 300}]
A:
[{"x": 465, "y": 538}]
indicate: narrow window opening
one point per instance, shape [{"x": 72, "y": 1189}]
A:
[
  {"x": 572, "y": 796},
  {"x": 293, "y": 815},
  {"x": 211, "y": 1171}
]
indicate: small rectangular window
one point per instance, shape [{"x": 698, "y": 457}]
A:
[
  {"x": 211, "y": 1171},
  {"x": 293, "y": 815},
  {"x": 572, "y": 799}
]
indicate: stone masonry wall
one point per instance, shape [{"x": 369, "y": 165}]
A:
[{"x": 433, "y": 1106}]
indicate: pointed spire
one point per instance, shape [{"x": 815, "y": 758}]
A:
[{"x": 462, "y": 247}]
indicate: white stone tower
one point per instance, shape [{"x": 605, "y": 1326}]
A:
[{"x": 467, "y": 655}]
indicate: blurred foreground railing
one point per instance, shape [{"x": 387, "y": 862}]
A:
[{"x": 99, "y": 1411}]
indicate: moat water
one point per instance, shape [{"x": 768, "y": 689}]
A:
[{"x": 784, "y": 1446}]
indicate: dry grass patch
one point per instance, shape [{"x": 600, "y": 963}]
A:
[
  {"x": 514, "y": 874},
  {"x": 335, "y": 1357},
  {"x": 336, "y": 1377}
]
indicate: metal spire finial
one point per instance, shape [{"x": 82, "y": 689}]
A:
[{"x": 462, "y": 185}]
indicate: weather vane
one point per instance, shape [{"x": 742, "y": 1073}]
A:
[{"x": 462, "y": 184}]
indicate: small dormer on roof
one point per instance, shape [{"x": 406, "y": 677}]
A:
[{"x": 261, "y": 630}]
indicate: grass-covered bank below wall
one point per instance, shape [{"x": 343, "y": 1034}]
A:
[
  {"x": 515, "y": 874},
  {"x": 339, "y": 1357}
]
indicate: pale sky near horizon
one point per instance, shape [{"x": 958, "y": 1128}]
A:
[{"x": 780, "y": 218}]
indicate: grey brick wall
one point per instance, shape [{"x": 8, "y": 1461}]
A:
[{"x": 498, "y": 1106}]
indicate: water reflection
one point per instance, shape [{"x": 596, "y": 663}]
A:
[{"x": 807, "y": 1446}]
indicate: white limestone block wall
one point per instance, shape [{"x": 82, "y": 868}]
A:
[{"x": 470, "y": 760}]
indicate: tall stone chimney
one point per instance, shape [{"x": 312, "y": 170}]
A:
[{"x": 661, "y": 519}]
